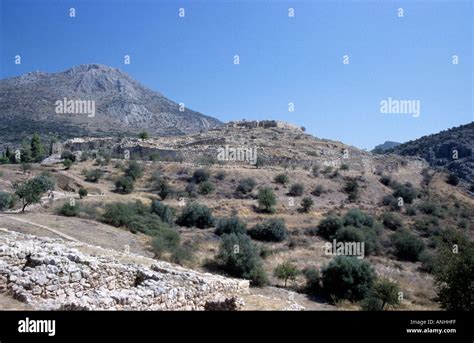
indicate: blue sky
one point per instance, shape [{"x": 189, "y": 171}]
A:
[{"x": 282, "y": 59}]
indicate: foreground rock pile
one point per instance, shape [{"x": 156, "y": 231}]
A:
[{"x": 53, "y": 274}]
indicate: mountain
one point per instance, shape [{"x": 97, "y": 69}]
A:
[
  {"x": 381, "y": 148},
  {"x": 450, "y": 149},
  {"x": 29, "y": 103}
]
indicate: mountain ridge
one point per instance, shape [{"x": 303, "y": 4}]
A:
[{"x": 122, "y": 104}]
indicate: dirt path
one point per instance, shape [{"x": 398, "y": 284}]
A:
[{"x": 77, "y": 229}]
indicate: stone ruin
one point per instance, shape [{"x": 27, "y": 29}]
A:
[{"x": 52, "y": 274}]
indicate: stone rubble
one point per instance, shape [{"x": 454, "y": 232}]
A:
[{"x": 51, "y": 274}]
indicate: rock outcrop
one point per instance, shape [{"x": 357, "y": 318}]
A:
[{"x": 51, "y": 274}]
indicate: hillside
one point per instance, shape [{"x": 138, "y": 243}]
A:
[
  {"x": 170, "y": 196},
  {"x": 451, "y": 150},
  {"x": 122, "y": 105}
]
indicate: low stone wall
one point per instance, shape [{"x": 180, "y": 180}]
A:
[{"x": 53, "y": 274}]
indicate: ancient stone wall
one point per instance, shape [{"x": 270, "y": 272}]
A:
[{"x": 53, "y": 274}]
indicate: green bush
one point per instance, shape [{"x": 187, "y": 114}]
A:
[
  {"x": 266, "y": 199},
  {"x": 200, "y": 175},
  {"x": 405, "y": 191},
  {"x": 6, "y": 201},
  {"x": 196, "y": 215},
  {"x": 273, "y": 230},
  {"x": 69, "y": 210},
  {"x": 348, "y": 278},
  {"x": 313, "y": 280},
  {"x": 454, "y": 278},
  {"x": 206, "y": 187},
  {"x": 239, "y": 257},
  {"x": 328, "y": 226},
  {"x": 246, "y": 185},
  {"x": 385, "y": 180},
  {"x": 351, "y": 188},
  {"x": 391, "y": 221},
  {"x": 384, "y": 292},
  {"x": 357, "y": 218},
  {"x": 124, "y": 185},
  {"x": 296, "y": 190},
  {"x": 82, "y": 192},
  {"x": 164, "y": 212},
  {"x": 286, "y": 271},
  {"x": 282, "y": 179},
  {"x": 431, "y": 209},
  {"x": 167, "y": 241},
  {"x": 160, "y": 185},
  {"x": 315, "y": 170},
  {"x": 134, "y": 170},
  {"x": 230, "y": 225},
  {"x": 67, "y": 164},
  {"x": 407, "y": 246},
  {"x": 306, "y": 204},
  {"x": 392, "y": 202},
  {"x": 318, "y": 190},
  {"x": 93, "y": 175}
]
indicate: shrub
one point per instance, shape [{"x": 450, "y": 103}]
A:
[
  {"x": 349, "y": 234},
  {"x": 273, "y": 230},
  {"x": 384, "y": 292},
  {"x": 164, "y": 212},
  {"x": 407, "y": 246},
  {"x": 286, "y": 271},
  {"x": 452, "y": 179},
  {"x": 196, "y": 215},
  {"x": 124, "y": 185},
  {"x": 134, "y": 170},
  {"x": 230, "y": 225},
  {"x": 6, "y": 201},
  {"x": 428, "y": 261},
  {"x": 190, "y": 189},
  {"x": 69, "y": 210},
  {"x": 455, "y": 278},
  {"x": 246, "y": 185},
  {"x": 220, "y": 175},
  {"x": 93, "y": 175},
  {"x": 328, "y": 226},
  {"x": 318, "y": 190},
  {"x": 206, "y": 187},
  {"x": 306, "y": 204},
  {"x": 405, "y": 191},
  {"x": 344, "y": 166},
  {"x": 68, "y": 155},
  {"x": 239, "y": 257},
  {"x": 410, "y": 211},
  {"x": 296, "y": 190},
  {"x": 357, "y": 218},
  {"x": 315, "y": 170},
  {"x": 67, "y": 164},
  {"x": 82, "y": 192},
  {"x": 351, "y": 188},
  {"x": 391, "y": 221},
  {"x": 266, "y": 199},
  {"x": 431, "y": 209},
  {"x": 200, "y": 175},
  {"x": 392, "y": 202},
  {"x": 313, "y": 279},
  {"x": 282, "y": 179},
  {"x": 385, "y": 180},
  {"x": 166, "y": 241},
  {"x": 161, "y": 186},
  {"x": 348, "y": 278}
]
